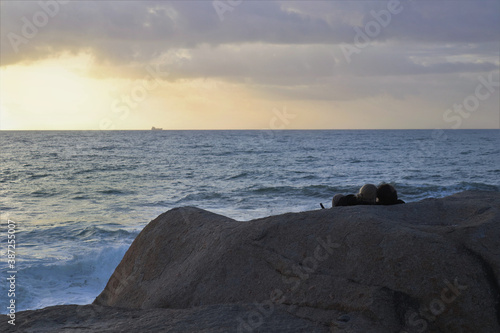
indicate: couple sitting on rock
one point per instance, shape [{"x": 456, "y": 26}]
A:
[{"x": 369, "y": 194}]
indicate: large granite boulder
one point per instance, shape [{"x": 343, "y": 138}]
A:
[
  {"x": 432, "y": 265},
  {"x": 428, "y": 266}
]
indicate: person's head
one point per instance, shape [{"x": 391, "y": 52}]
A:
[
  {"x": 387, "y": 194},
  {"x": 347, "y": 200},
  {"x": 336, "y": 199},
  {"x": 367, "y": 194}
]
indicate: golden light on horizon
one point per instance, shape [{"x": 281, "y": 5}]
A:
[
  {"x": 72, "y": 92},
  {"x": 48, "y": 94},
  {"x": 63, "y": 94}
]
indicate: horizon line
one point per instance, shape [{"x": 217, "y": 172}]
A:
[{"x": 229, "y": 129}]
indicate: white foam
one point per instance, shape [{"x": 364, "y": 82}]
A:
[{"x": 75, "y": 281}]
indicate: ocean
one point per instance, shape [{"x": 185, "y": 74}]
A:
[{"x": 79, "y": 198}]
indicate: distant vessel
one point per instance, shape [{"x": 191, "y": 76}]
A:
[{"x": 156, "y": 129}]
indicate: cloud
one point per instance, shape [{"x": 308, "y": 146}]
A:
[
  {"x": 448, "y": 22},
  {"x": 277, "y": 50},
  {"x": 131, "y": 31}
]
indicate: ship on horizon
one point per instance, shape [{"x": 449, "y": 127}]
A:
[{"x": 156, "y": 129}]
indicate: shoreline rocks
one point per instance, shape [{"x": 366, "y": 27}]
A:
[{"x": 428, "y": 266}]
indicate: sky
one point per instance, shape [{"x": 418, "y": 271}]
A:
[{"x": 243, "y": 64}]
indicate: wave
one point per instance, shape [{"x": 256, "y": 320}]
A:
[
  {"x": 240, "y": 175},
  {"x": 222, "y": 154},
  {"x": 159, "y": 203},
  {"x": 424, "y": 191},
  {"x": 97, "y": 233},
  {"x": 8, "y": 177},
  {"x": 80, "y": 197},
  {"x": 77, "y": 280},
  {"x": 115, "y": 192},
  {"x": 84, "y": 171},
  {"x": 104, "y": 148},
  {"x": 202, "y": 196},
  {"x": 469, "y": 186},
  {"x": 309, "y": 177},
  {"x": 4, "y": 208},
  {"x": 44, "y": 194},
  {"x": 406, "y": 192},
  {"x": 308, "y": 191},
  {"x": 39, "y": 176},
  {"x": 106, "y": 168},
  {"x": 73, "y": 232}
]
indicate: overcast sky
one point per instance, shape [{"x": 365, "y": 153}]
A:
[{"x": 249, "y": 64}]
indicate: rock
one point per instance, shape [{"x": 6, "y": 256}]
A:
[
  {"x": 210, "y": 319},
  {"x": 428, "y": 266}
]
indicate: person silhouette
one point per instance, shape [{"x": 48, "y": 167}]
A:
[
  {"x": 367, "y": 195},
  {"x": 387, "y": 195}
]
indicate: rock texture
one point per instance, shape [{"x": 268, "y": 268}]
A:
[
  {"x": 206, "y": 319},
  {"x": 428, "y": 266}
]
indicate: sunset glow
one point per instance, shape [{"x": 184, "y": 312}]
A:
[{"x": 189, "y": 65}]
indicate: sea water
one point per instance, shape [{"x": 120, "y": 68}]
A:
[{"x": 79, "y": 198}]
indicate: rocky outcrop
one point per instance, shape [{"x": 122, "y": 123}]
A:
[
  {"x": 428, "y": 266},
  {"x": 219, "y": 318}
]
